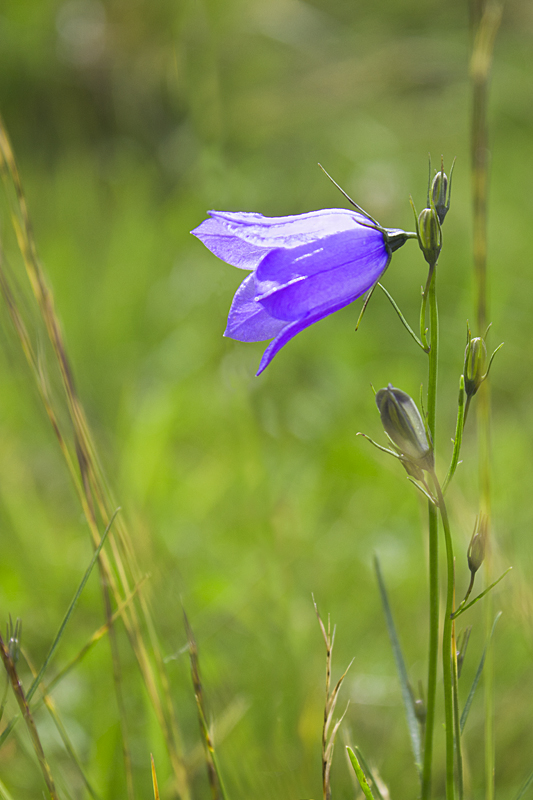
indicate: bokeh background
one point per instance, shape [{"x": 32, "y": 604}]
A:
[{"x": 245, "y": 495}]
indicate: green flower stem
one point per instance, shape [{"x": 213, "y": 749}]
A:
[
  {"x": 457, "y": 717},
  {"x": 447, "y": 649},
  {"x": 423, "y": 308},
  {"x": 461, "y": 418},
  {"x": 433, "y": 550}
]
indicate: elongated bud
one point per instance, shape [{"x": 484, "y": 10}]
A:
[
  {"x": 405, "y": 428},
  {"x": 474, "y": 368},
  {"x": 439, "y": 190},
  {"x": 429, "y": 235},
  {"x": 478, "y": 544}
]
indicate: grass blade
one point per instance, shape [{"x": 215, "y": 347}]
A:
[
  {"x": 365, "y": 766},
  {"x": 4, "y": 794},
  {"x": 213, "y": 773},
  {"x": 462, "y": 608},
  {"x": 525, "y": 787},
  {"x": 80, "y": 453},
  {"x": 18, "y": 691},
  {"x": 407, "y": 695},
  {"x": 363, "y": 783},
  {"x": 70, "y": 609},
  {"x": 67, "y": 743},
  {"x": 477, "y": 677},
  {"x": 154, "y": 779}
]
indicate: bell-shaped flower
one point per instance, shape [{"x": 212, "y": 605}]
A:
[{"x": 303, "y": 268}]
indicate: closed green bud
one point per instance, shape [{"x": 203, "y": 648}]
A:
[
  {"x": 420, "y": 711},
  {"x": 405, "y": 428},
  {"x": 429, "y": 235},
  {"x": 475, "y": 362},
  {"x": 439, "y": 191},
  {"x": 478, "y": 544}
]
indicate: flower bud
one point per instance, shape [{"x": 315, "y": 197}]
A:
[
  {"x": 478, "y": 544},
  {"x": 439, "y": 189},
  {"x": 405, "y": 428},
  {"x": 420, "y": 711},
  {"x": 474, "y": 368},
  {"x": 429, "y": 235}
]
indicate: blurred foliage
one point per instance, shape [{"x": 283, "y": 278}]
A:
[{"x": 129, "y": 120}]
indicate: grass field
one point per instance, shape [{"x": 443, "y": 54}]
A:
[{"x": 242, "y": 496}]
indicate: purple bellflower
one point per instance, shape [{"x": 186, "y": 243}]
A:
[{"x": 303, "y": 267}]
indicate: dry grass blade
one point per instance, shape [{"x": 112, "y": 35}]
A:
[
  {"x": 223, "y": 725},
  {"x": 50, "y": 705},
  {"x": 96, "y": 637},
  {"x": 328, "y": 739},
  {"x": 154, "y": 779},
  {"x": 83, "y": 463},
  {"x": 9, "y": 664},
  {"x": 215, "y": 782}
]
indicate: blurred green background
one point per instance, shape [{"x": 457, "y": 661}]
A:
[{"x": 245, "y": 495}]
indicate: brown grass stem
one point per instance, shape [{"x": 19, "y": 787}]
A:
[
  {"x": 213, "y": 774},
  {"x": 329, "y": 733},
  {"x": 18, "y": 691}
]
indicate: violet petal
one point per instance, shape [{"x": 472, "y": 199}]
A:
[
  {"x": 243, "y": 239},
  {"x": 339, "y": 268},
  {"x": 293, "y": 328},
  {"x": 247, "y": 320},
  {"x": 228, "y": 246}
]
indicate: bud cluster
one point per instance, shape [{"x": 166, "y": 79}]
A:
[{"x": 430, "y": 219}]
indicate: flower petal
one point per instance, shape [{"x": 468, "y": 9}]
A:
[
  {"x": 247, "y": 320},
  {"x": 289, "y": 331},
  {"x": 243, "y": 239},
  {"x": 227, "y": 245},
  {"x": 339, "y": 268}
]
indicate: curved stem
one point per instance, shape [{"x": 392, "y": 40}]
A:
[
  {"x": 447, "y": 671},
  {"x": 433, "y": 549}
]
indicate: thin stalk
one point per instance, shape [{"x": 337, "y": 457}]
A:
[
  {"x": 457, "y": 717},
  {"x": 485, "y": 17},
  {"x": 433, "y": 551},
  {"x": 18, "y": 691},
  {"x": 447, "y": 648}
]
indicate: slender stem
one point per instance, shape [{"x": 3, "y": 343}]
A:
[
  {"x": 423, "y": 308},
  {"x": 485, "y": 20},
  {"x": 457, "y": 717},
  {"x": 433, "y": 552},
  {"x": 447, "y": 648},
  {"x": 461, "y": 417}
]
